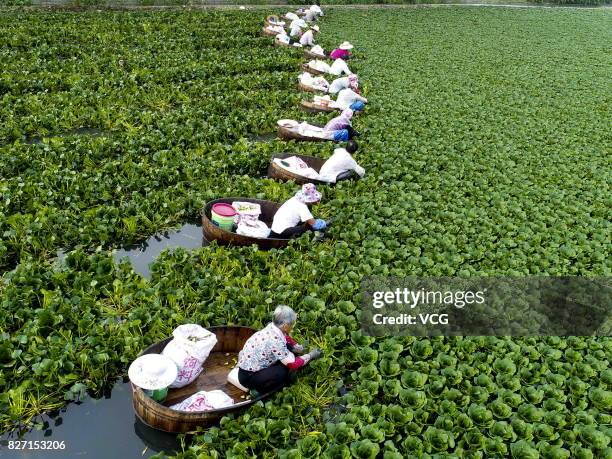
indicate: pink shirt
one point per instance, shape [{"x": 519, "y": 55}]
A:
[{"x": 340, "y": 54}]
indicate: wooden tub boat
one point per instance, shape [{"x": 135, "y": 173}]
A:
[
  {"x": 311, "y": 55},
  {"x": 230, "y": 340},
  {"x": 268, "y": 23},
  {"x": 286, "y": 133},
  {"x": 309, "y": 69},
  {"x": 277, "y": 172},
  {"x": 213, "y": 233},
  {"x": 273, "y": 19},
  {"x": 282, "y": 44},
  {"x": 310, "y": 106},
  {"x": 306, "y": 88},
  {"x": 268, "y": 33}
]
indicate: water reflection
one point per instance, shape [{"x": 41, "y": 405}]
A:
[
  {"x": 267, "y": 137},
  {"x": 95, "y": 428},
  {"x": 84, "y": 131},
  {"x": 189, "y": 236}
]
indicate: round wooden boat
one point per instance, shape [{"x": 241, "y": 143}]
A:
[
  {"x": 230, "y": 340},
  {"x": 309, "y": 69},
  {"x": 282, "y": 44},
  {"x": 213, "y": 233},
  {"x": 286, "y": 133},
  {"x": 306, "y": 88},
  {"x": 311, "y": 55},
  {"x": 273, "y": 19},
  {"x": 268, "y": 23},
  {"x": 277, "y": 172},
  {"x": 310, "y": 106},
  {"x": 268, "y": 33}
]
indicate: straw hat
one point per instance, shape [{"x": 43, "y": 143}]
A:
[
  {"x": 315, "y": 28},
  {"x": 346, "y": 45},
  {"x": 153, "y": 371}
]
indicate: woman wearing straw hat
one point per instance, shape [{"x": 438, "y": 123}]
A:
[
  {"x": 153, "y": 373},
  {"x": 265, "y": 362},
  {"x": 293, "y": 218},
  {"x": 342, "y": 51},
  {"x": 307, "y": 38}
]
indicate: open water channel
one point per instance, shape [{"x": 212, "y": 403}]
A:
[
  {"x": 102, "y": 428},
  {"x": 107, "y": 427}
]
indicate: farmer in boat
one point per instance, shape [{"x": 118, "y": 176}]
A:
[
  {"x": 341, "y": 127},
  {"x": 341, "y": 165},
  {"x": 347, "y": 98},
  {"x": 307, "y": 38},
  {"x": 351, "y": 82},
  {"x": 269, "y": 356},
  {"x": 342, "y": 51},
  {"x": 294, "y": 218},
  {"x": 296, "y": 28},
  {"x": 313, "y": 12}
]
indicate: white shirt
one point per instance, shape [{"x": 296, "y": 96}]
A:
[
  {"x": 340, "y": 161},
  {"x": 346, "y": 98},
  {"x": 290, "y": 214},
  {"x": 316, "y": 9},
  {"x": 339, "y": 84},
  {"x": 339, "y": 67},
  {"x": 296, "y": 27},
  {"x": 307, "y": 39}
]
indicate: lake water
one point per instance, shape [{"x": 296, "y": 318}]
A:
[
  {"x": 105, "y": 428},
  {"x": 189, "y": 236}
]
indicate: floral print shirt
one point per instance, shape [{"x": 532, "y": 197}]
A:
[{"x": 265, "y": 348}]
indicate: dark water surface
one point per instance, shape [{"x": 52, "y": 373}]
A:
[
  {"x": 105, "y": 428},
  {"x": 189, "y": 236},
  {"x": 83, "y": 131}
]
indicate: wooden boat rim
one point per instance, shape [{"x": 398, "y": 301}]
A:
[
  {"x": 198, "y": 414},
  {"x": 208, "y": 208},
  {"x": 276, "y": 171}
]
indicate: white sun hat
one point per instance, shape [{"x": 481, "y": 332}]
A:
[
  {"x": 346, "y": 45},
  {"x": 315, "y": 27},
  {"x": 152, "y": 371}
]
